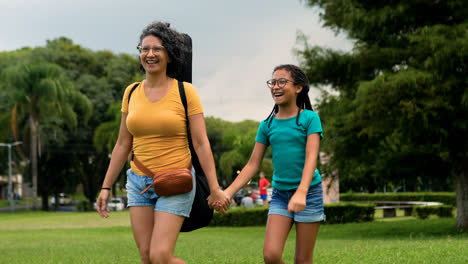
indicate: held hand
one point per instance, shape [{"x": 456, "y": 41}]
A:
[
  {"x": 223, "y": 202},
  {"x": 219, "y": 200},
  {"x": 101, "y": 203},
  {"x": 211, "y": 201},
  {"x": 297, "y": 203}
]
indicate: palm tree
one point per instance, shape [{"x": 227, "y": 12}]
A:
[
  {"x": 37, "y": 91},
  {"x": 106, "y": 133}
]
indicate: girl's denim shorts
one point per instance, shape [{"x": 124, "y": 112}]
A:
[
  {"x": 313, "y": 211},
  {"x": 180, "y": 204}
]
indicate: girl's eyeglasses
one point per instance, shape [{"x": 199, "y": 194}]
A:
[{"x": 280, "y": 82}]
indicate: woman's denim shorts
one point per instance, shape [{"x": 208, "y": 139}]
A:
[
  {"x": 313, "y": 211},
  {"x": 180, "y": 204}
]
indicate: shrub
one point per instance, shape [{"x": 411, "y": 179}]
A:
[
  {"x": 340, "y": 213},
  {"x": 84, "y": 206},
  {"x": 424, "y": 212},
  {"x": 335, "y": 213},
  {"x": 241, "y": 216},
  {"x": 445, "y": 211}
]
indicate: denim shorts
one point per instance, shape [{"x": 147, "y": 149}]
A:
[
  {"x": 313, "y": 211},
  {"x": 180, "y": 204}
]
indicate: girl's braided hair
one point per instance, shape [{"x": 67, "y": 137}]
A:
[
  {"x": 173, "y": 42},
  {"x": 303, "y": 100}
]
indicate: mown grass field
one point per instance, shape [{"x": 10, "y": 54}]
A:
[{"x": 47, "y": 237}]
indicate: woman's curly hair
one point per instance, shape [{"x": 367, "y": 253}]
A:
[{"x": 174, "y": 43}]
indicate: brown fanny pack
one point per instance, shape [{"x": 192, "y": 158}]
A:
[{"x": 169, "y": 182}]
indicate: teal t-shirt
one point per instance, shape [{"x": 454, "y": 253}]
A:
[{"x": 288, "y": 144}]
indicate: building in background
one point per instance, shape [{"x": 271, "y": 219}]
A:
[
  {"x": 330, "y": 183},
  {"x": 17, "y": 185}
]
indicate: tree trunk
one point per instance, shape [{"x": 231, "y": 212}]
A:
[
  {"x": 460, "y": 175},
  {"x": 33, "y": 155},
  {"x": 45, "y": 201},
  {"x": 56, "y": 201}
]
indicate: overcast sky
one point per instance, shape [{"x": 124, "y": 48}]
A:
[{"x": 236, "y": 44}]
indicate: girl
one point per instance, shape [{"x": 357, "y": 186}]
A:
[
  {"x": 294, "y": 131},
  {"x": 153, "y": 125}
]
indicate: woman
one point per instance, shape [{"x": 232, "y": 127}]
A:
[{"x": 153, "y": 125}]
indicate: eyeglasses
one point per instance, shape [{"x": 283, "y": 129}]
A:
[
  {"x": 281, "y": 82},
  {"x": 155, "y": 49}
]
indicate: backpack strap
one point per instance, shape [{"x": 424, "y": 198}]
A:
[
  {"x": 131, "y": 91},
  {"x": 195, "y": 162},
  {"x": 183, "y": 98},
  {"x": 128, "y": 103}
]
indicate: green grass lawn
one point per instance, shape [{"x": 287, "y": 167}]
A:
[{"x": 47, "y": 237}]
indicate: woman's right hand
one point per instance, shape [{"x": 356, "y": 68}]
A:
[
  {"x": 219, "y": 200},
  {"x": 101, "y": 203}
]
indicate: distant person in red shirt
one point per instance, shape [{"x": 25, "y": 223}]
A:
[{"x": 264, "y": 184}]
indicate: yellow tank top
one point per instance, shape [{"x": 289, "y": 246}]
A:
[{"x": 159, "y": 130}]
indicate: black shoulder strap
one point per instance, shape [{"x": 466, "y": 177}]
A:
[
  {"x": 183, "y": 98},
  {"x": 128, "y": 102},
  {"x": 131, "y": 91}
]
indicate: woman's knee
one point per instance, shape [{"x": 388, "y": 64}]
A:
[
  {"x": 160, "y": 255},
  {"x": 272, "y": 256},
  {"x": 144, "y": 254}
]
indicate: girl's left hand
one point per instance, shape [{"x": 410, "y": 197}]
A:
[{"x": 297, "y": 203}]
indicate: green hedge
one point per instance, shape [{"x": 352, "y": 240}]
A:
[
  {"x": 424, "y": 212},
  {"x": 84, "y": 206},
  {"x": 241, "y": 216},
  {"x": 335, "y": 213},
  {"x": 447, "y": 198},
  {"x": 340, "y": 213}
]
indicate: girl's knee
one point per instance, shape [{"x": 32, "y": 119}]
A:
[{"x": 303, "y": 259}]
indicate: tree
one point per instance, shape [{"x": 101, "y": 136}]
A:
[
  {"x": 106, "y": 134},
  {"x": 403, "y": 99},
  {"x": 102, "y": 76},
  {"x": 238, "y": 140},
  {"x": 38, "y": 91}
]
